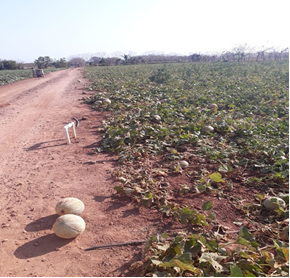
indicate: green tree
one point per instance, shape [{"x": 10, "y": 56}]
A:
[
  {"x": 77, "y": 62},
  {"x": 103, "y": 62},
  {"x": 126, "y": 57},
  {"x": 43, "y": 62},
  {"x": 8, "y": 65},
  {"x": 195, "y": 57},
  {"x": 61, "y": 63}
]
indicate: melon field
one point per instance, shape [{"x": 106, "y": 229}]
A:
[
  {"x": 204, "y": 145},
  {"x": 10, "y": 76}
]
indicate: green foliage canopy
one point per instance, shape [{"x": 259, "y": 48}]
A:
[
  {"x": 43, "y": 62},
  {"x": 9, "y": 65},
  {"x": 61, "y": 63}
]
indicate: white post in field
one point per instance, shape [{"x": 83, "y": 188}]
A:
[{"x": 65, "y": 128}]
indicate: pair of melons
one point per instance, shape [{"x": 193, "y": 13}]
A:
[{"x": 69, "y": 224}]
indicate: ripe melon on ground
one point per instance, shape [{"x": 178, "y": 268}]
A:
[
  {"x": 183, "y": 163},
  {"x": 273, "y": 203},
  {"x": 107, "y": 101},
  {"x": 207, "y": 128},
  {"x": 69, "y": 226},
  {"x": 69, "y": 205},
  {"x": 212, "y": 106}
]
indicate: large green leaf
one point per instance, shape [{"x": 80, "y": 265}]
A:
[
  {"x": 184, "y": 262},
  {"x": 236, "y": 271},
  {"x": 216, "y": 177},
  {"x": 207, "y": 205}
]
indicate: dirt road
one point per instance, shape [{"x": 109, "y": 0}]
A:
[{"x": 38, "y": 168}]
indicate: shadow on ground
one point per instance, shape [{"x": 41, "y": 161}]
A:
[
  {"x": 43, "y": 223},
  {"x": 40, "y": 246},
  {"x": 45, "y": 145}
]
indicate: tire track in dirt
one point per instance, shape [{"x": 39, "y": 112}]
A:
[
  {"x": 26, "y": 114},
  {"x": 9, "y": 92}
]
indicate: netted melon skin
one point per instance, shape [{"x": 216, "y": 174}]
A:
[
  {"x": 69, "y": 205},
  {"x": 69, "y": 226}
]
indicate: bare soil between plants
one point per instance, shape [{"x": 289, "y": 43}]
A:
[{"x": 38, "y": 168}]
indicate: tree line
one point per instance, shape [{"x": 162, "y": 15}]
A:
[
  {"x": 41, "y": 62},
  {"x": 242, "y": 53},
  {"x": 239, "y": 54}
]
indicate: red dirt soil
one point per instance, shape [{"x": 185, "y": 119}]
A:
[{"x": 38, "y": 168}]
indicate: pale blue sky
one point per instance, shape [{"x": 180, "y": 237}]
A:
[{"x": 63, "y": 28}]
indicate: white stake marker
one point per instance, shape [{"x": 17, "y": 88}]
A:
[{"x": 66, "y": 127}]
